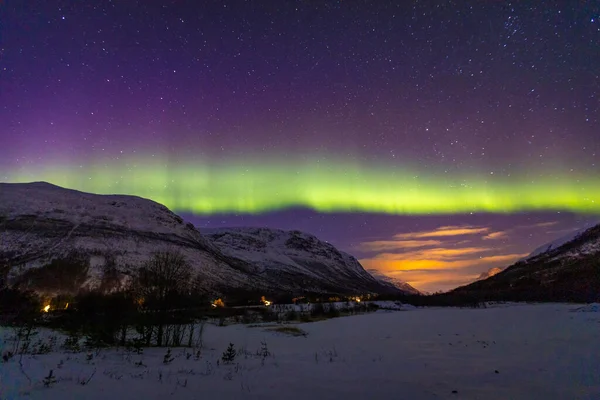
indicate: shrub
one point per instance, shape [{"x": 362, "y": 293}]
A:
[
  {"x": 289, "y": 330},
  {"x": 291, "y": 315},
  {"x": 168, "y": 358},
  {"x": 332, "y": 311},
  {"x": 317, "y": 310},
  {"x": 228, "y": 356},
  {"x": 49, "y": 380},
  {"x": 71, "y": 343}
]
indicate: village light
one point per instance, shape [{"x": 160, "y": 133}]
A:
[
  {"x": 217, "y": 303},
  {"x": 265, "y": 301}
]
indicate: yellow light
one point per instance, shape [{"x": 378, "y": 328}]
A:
[
  {"x": 66, "y": 306},
  {"x": 265, "y": 301},
  {"x": 218, "y": 303},
  {"x": 358, "y": 299},
  {"x": 46, "y": 308}
]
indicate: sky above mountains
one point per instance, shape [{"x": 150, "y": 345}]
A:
[{"x": 434, "y": 141}]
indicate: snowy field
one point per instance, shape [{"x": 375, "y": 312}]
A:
[{"x": 503, "y": 352}]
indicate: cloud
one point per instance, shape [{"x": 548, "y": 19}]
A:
[
  {"x": 544, "y": 224},
  {"x": 444, "y": 231},
  {"x": 434, "y": 280},
  {"x": 388, "y": 262},
  {"x": 440, "y": 269},
  {"x": 441, "y": 258},
  {"x": 441, "y": 280},
  {"x": 504, "y": 234},
  {"x": 496, "y": 235},
  {"x": 386, "y": 245},
  {"x": 413, "y": 240},
  {"x": 438, "y": 253}
]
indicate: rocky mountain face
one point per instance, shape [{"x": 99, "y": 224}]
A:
[
  {"x": 42, "y": 224},
  {"x": 569, "y": 271},
  {"x": 296, "y": 259},
  {"x": 397, "y": 283},
  {"x": 557, "y": 242}
]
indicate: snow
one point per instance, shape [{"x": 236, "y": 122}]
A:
[
  {"x": 267, "y": 247},
  {"x": 52, "y": 202},
  {"x": 129, "y": 229},
  {"x": 539, "y": 352},
  {"x": 68, "y": 220},
  {"x": 592, "y": 307},
  {"x": 555, "y": 244},
  {"x": 590, "y": 247},
  {"x": 397, "y": 283},
  {"x": 300, "y": 255}
]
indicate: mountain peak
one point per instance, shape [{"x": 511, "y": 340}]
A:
[
  {"x": 281, "y": 254},
  {"x": 42, "y": 222},
  {"x": 398, "y": 283}
]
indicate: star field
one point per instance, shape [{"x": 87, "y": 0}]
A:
[{"x": 424, "y": 111}]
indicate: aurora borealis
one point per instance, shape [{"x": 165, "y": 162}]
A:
[
  {"x": 261, "y": 187},
  {"x": 362, "y": 122}
]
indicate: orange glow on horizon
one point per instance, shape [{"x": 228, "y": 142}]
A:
[{"x": 436, "y": 274}]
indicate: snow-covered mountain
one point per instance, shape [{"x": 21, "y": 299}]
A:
[
  {"x": 556, "y": 243},
  {"x": 567, "y": 271},
  {"x": 40, "y": 222},
  {"x": 295, "y": 259},
  {"x": 490, "y": 272},
  {"x": 398, "y": 283}
]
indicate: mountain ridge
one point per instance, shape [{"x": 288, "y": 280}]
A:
[
  {"x": 40, "y": 222},
  {"x": 567, "y": 272},
  {"x": 274, "y": 251},
  {"x": 398, "y": 283}
]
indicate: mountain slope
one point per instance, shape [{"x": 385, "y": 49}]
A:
[
  {"x": 490, "y": 272},
  {"x": 397, "y": 283},
  {"x": 296, "y": 259},
  {"x": 556, "y": 243},
  {"x": 569, "y": 272},
  {"x": 40, "y": 222}
]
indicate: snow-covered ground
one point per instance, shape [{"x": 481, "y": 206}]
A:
[{"x": 504, "y": 352}]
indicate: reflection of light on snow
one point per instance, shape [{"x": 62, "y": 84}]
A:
[{"x": 46, "y": 308}]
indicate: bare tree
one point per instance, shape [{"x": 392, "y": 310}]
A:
[
  {"x": 4, "y": 272},
  {"x": 161, "y": 283}
]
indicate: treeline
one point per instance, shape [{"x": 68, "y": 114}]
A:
[
  {"x": 158, "y": 304},
  {"x": 161, "y": 302},
  {"x": 530, "y": 290}
]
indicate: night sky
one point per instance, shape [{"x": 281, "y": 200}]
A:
[{"x": 433, "y": 140}]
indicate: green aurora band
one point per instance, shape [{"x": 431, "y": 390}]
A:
[{"x": 256, "y": 187}]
